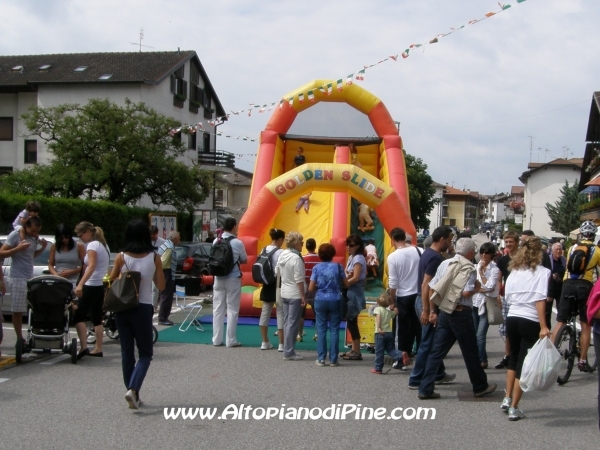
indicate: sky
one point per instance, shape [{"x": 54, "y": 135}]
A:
[{"x": 476, "y": 107}]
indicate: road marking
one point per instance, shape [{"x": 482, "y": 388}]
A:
[
  {"x": 55, "y": 360},
  {"x": 2, "y": 380}
]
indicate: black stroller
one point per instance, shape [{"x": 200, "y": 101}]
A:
[{"x": 49, "y": 298}]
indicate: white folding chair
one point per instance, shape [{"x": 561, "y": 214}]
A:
[{"x": 192, "y": 309}]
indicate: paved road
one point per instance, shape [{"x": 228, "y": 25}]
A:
[{"x": 50, "y": 403}]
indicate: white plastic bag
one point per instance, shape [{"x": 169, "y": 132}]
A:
[{"x": 541, "y": 367}]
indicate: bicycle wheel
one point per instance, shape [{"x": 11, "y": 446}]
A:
[
  {"x": 565, "y": 344},
  {"x": 591, "y": 359},
  {"x": 111, "y": 334}
]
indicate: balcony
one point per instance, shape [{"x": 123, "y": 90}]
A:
[{"x": 219, "y": 159}]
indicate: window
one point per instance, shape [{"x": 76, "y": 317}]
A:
[
  {"x": 206, "y": 103},
  {"x": 6, "y": 128},
  {"x": 17, "y": 69},
  {"x": 219, "y": 198},
  {"x": 195, "y": 98},
  {"x": 44, "y": 67},
  {"x": 178, "y": 88},
  {"x": 106, "y": 76},
  {"x": 4, "y": 170},
  {"x": 192, "y": 141},
  {"x": 30, "y": 152},
  {"x": 80, "y": 69}
]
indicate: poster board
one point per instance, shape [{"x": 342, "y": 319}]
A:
[
  {"x": 204, "y": 221},
  {"x": 165, "y": 222}
]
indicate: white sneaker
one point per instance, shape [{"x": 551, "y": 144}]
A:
[
  {"x": 515, "y": 414},
  {"x": 280, "y": 348},
  {"x": 506, "y": 404},
  {"x": 266, "y": 346},
  {"x": 296, "y": 357},
  {"x": 132, "y": 399}
]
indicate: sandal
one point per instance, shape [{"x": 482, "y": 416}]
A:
[{"x": 351, "y": 356}]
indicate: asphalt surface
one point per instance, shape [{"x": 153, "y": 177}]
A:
[{"x": 50, "y": 403}]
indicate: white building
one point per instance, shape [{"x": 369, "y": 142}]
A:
[
  {"x": 543, "y": 182},
  {"x": 173, "y": 83},
  {"x": 435, "y": 215},
  {"x": 496, "y": 211}
]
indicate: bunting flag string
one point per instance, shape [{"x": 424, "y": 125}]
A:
[{"x": 358, "y": 75}]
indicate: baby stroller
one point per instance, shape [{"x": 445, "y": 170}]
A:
[{"x": 49, "y": 298}]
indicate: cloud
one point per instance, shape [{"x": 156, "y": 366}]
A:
[{"x": 466, "y": 104}]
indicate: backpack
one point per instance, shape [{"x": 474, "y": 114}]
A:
[
  {"x": 578, "y": 259},
  {"x": 262, "y": 270},
  {"x": 220, "y": 261}
]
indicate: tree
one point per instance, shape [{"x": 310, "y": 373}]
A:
[
  {"x": 564, "y": 214},
  {"x": 421, "y": 190},
  {"x": 117, "y": 153}
]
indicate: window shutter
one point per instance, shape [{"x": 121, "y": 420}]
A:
[
  {"x": 173, "y": 84},
  {"x": 184, "y": 88}
]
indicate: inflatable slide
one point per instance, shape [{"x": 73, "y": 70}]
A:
[{"x": 337, "y": 182}]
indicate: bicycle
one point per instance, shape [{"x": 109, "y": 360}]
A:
[{"x": 567, "y": 343}]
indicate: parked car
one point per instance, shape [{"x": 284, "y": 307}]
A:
[
  {"x": 192, "y": 258},
  {"x": 420, "y": 239}
]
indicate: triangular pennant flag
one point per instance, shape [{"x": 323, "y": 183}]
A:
[
  {"x": 490, "y": 14},
  {"x": 271, "y": 107},
  {"x": 471, "y": 22},
  {"x": 405, "y": 53},
  {"x": 329, "y": 88},
  {"x": 520, "y": 1},
  {"x": 504, "y": 7},
  {"x": 249, "y": 112},
  {"x": 322, "y": 89},
  {"x": 281, "y": 104},
  {"x": 360, "y": 75},
  {"x": 311, "y": 96},
  {"x": 394, "y": 57},
  {"x": 199, "y": 124},
  {"x": 340, "y": 84},
  {"x": 301, "y": 97},
  {"x": 291, "y": 101},
  {"x": 434, "y": 40},
  {"x": 349, "y": 79}
]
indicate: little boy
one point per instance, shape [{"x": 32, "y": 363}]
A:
[
  {"x": 32, "y": 209},
  {"x": 299, "y": 159},
  {"x": 384, "y": 338}
]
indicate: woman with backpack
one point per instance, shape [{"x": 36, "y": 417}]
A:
[
  {"x": 268, "y": 293},
  {"x": 291, "y": 269}
]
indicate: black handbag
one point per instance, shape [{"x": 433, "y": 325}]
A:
[
  {"x": 123, "y": 294},
  {"x": 344, "y": 292}
]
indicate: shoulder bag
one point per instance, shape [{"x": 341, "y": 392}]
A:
[
  {"x": 123, "y": 293},
  {"x": 493, "y": 311}
]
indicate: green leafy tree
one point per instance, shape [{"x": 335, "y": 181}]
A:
[
  {"x": 109, "y": 152},
  {"x": 421, "y": 190},
  {"x": 564, "y": 214}
]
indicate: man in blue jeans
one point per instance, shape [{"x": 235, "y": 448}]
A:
[
  {"x": 456, "y": 326},
  {"x": 428, "y": 265}
]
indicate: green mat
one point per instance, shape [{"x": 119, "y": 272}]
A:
[{"x": 247, "y": 335}]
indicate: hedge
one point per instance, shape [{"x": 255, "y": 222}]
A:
[{"x": 111, "y": 217}]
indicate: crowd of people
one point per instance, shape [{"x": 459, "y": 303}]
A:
[{"x": 435, "y": 297}]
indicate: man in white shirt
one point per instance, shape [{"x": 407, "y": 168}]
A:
[
  {"x": 156, "y": 243},
  {"x": 403, "y": 270},
  {"x": 227, "y": 290}
]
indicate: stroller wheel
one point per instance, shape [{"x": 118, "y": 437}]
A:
[
  {"x": 74, "y": 351},
  {"x": 19, "y": 350},
  {"x": 154, "y": 334}
]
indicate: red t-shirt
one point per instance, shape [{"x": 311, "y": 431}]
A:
[{"x": 310, "y": 261}]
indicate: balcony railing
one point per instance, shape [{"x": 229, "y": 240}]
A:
[{"x": 220, "y": 159}]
